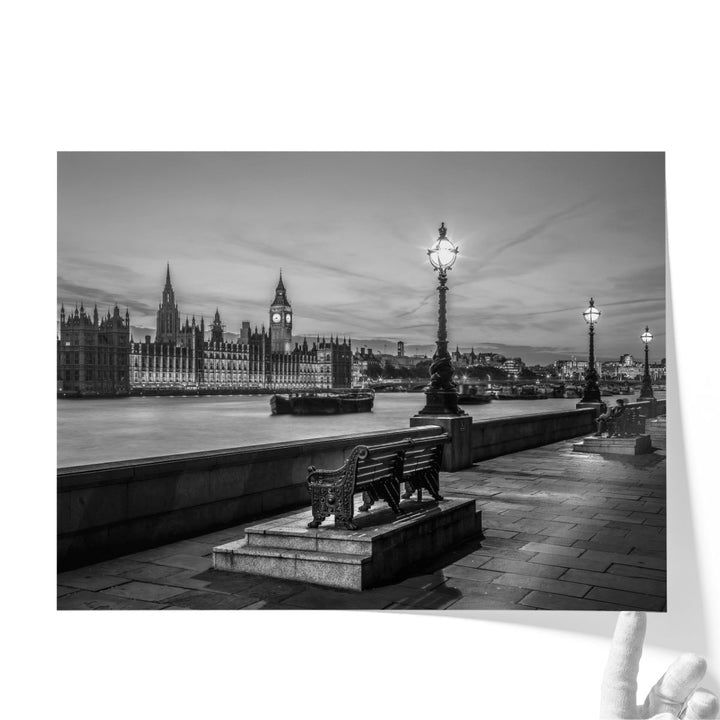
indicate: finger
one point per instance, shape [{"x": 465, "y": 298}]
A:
[
  {"x": 703, "y": 705},
  {"x": 672, "y": 690},
  {"x": 618, "y": 697}
]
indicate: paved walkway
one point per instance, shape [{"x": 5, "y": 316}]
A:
[{"x": 564, "y": 531}]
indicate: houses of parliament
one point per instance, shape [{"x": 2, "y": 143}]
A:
[{"x": 99, "y": 357}]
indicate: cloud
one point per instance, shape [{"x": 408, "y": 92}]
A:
[
  {"x": 537, "y": 229},
  {"x": 69, "y": 292},
  {"x": 638, "y": 301}
]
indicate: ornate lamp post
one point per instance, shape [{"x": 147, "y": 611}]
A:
[
  {"x": 441, "y": 393},
  {"x": 646, "y": 392},
  {"x": 591, "y": 393}
]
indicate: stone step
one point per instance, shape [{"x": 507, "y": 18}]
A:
[
  {"x": 638, "y": 445},
  {"x": 382, "y": 547},
  {"x": 379, "y": 523},
  {"x": 327, "y": 568}
]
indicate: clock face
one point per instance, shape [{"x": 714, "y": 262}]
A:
[
  {"x": 288, "y": 317},
  {"x": 276, "y": 317}
]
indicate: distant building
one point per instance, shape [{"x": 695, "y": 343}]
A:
[
  {"x": 628, "y": 368},
  {"x": 513, "y": 366},
  {"x": 574, "y": 369},
  {"x": 400, "y": 349},
  {"x": 465, "y": 359},
  {"x": 93, "y": 354},
  {"x": 473, "y": 359},
  {"x": 280, "y": 321},
  {"x": 101, "y": 357},
  {"x": 363, "y": 361}
]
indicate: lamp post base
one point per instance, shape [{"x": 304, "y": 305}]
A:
[
  {"x": 599, "y": 407},
  {"x": 592, "y": 395},
  {"x": 646, "y": 392},
  {"x": 441, "y": 402},
  {"x": 457, "y": 454}
]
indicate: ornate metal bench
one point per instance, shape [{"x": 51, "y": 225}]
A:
[
  {"x": 377, "y": 471},
  {"x": 631, "y": 422}
]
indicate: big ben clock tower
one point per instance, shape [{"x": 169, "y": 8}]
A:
[{"x": 280, "y": 320}]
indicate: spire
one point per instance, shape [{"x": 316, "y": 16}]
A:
[
  {"x": 281, "y": 293},
  {"x": 167, "y": 276}
]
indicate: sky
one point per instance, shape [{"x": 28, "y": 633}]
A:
[{"x": 538, "y": 233}]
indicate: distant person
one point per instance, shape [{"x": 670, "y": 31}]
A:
[{"x": 613, "y": 414}]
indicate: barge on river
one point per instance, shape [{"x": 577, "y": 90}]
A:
[{"x": 326, "y": 402}]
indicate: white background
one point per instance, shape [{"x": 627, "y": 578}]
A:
[{"x": 324, "y": 75}]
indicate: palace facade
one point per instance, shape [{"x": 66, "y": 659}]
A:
[{"x": 101, "y": 358}]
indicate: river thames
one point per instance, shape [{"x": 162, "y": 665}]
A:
[{"x": 105, "y": 430}]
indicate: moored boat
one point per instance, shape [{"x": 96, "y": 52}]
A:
[
  {"x": 474, "y": 398},
  {"x": 473, "y": 394},
  {"x": 322, "y": 403}
]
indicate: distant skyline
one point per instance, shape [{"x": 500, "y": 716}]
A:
[{"x": 539, "y": 233}]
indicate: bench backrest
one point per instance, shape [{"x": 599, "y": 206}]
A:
[{"x": 398, "y": 459}]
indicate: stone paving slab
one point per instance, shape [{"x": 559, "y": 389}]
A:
[
  {"x": 90, "y": 581},
  {"x": 188, "y": 562},
  {"x": 145, "y": 591},
  {"x": 563, "y": 531},
  {"x": 86, "y": 600}
]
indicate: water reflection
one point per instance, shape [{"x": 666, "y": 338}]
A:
[{"x": 93, "y": 431}]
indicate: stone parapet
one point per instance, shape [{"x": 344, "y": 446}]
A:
[
  {"x": 499, "y": 436},
  {"x": 457, "y": 453},
  {"x": 111, "y": 509}
]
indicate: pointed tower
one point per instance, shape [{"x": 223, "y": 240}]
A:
[
  {"x": 280, "y": 320},
  {"x": 168, "y": 317},
  {"x": 216, "y": 329}
]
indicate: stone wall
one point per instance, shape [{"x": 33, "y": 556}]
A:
[
  {"x": 118, "y": 508},
  {"x": 499, "y": 436}
]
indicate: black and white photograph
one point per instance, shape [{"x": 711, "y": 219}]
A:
[
  {"x": 361, "y": 380},
  {"x": 396, "y": 319}
]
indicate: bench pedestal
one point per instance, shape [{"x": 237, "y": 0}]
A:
[
  {"x": 636, "y": 445},
  {"x": 381, "y": 549}
]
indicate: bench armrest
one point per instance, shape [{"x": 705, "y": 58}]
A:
[{"x": 325, "y": 477}]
